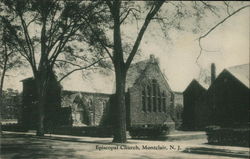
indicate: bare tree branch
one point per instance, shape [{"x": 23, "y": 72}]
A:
[
  {"x": 32, "y": 20},
  {"x": 61, "y": 45},
  {"x": 128, "y": 11},
  {"x": 78, "y": 69},
  {"x": 226, "y": 3},
  {"x": 28, "y": 40},
  {"x": 99, "y": 40},
  {"x": 71, "y": 63},
  {"x": 154, "y": 9},
  {"x": 214, "y": 27},
  {"x": 210, "y": 7},
  {"x": 109, "y": 3}
]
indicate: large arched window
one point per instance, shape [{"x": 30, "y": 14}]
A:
[{"x": 153, "y": 99}]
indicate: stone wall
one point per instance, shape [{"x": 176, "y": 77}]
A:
[
  {"x": 144, "y": 115},
  {"x": 87, "y": 109}
]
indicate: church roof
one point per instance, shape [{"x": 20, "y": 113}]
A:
[
  {"x": 97, "y": 83},
  {"x": 134, "y": 72},
  {"x": 137, "y": 69},
  {"x": 240, "y": 72}
]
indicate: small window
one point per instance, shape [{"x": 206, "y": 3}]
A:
[
  {"x": 159, "y": 101},
  {"x": 104, "y": 106},
  {"x": 164, "y": 102},
  {"x": 144, "y": 107},
  {"x": 154, "y": 96},
  {"x": 149, "y": 98}
]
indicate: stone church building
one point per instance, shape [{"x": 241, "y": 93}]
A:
[
  {"x": 150, "y": 97},
  {"x": 149, "y": 100}
]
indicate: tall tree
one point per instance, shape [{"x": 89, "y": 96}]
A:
[
  {"x": 120, "y": 65},
  {"x": 169, "y": 15},
  {"x": 9, "y": 59},
  {"x": 43, "y": 31}
]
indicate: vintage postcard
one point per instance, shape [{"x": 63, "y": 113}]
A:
[{"x": 124, "y": 79}]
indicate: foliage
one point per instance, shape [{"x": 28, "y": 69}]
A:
[
  {"x": 149, "y": 132},
  {"x": 9, "y": 59},
  {"x": 11, "y": 103},
  {"x": 48, "y": 32},
  {"x": 171, "y": 16},
  {"x": 13, "y": 127},
  {"x": 228, "y": 136},
  {"x": 42, "y": 32},
  {"x": 83, "y": 131}
]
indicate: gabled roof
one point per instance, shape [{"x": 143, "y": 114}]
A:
[
  {"x": 96, "y": 82},
  {"x": 27, "y": 79},
  {"x": 134, "y": 72},
  {"x": 240, "y": 72},
  {"x": 204, "y": 85},
  {"x": 196, "y": 82}
]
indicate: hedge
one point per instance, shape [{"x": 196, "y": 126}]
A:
[
  {"x": 82, "y": 131},
  {"x": 228, "y": 136},
  {"x": 66, "y": 130},
  {"x": 14, "y": 127},
  {"x": 149, "y": 132}
]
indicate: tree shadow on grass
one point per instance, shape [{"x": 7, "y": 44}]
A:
[
  {"x": 217, "y": 152},
  {"x": 17, "y": 146}
]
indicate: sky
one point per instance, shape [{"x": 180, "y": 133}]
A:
[{"x": 227, "y": 45}]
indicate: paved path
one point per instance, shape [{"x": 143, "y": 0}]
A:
[{"x": 27, "y": 145}]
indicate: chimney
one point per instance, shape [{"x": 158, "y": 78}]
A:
[
  {"x": 213, "y": 73},
  {"x": 152, "y": 58}
]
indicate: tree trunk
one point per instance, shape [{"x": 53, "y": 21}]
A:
[
  {"x": 120, "y": 74},
  {"x": 42, "y": 81},
  {"x": 3, "y": 76},
  {"x": 40, "y": 124},
  {"x": 2, "y": 81},
  {"x": 1, "y": 89},
  {"x": 120, "y": 109}
]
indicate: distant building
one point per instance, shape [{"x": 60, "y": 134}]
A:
[
  {"x": 30, "y": 108},
  {"x": 224, "y": 103},
  {"x": 10, "y": 106},
  {"x": 192, "y": 110},
  {"x": 228, "y": 97},
  {"x": 178, "y": 109}
]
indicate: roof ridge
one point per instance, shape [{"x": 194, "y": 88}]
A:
[{"x": 235, "y": 66}]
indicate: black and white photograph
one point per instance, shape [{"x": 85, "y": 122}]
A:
[{"x": 128, "y": 79}]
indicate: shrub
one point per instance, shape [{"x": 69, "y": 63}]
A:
[
  {"x": 14, "y": 127},
  {"x": 148, "y": 132},
  {"x": 228, "y": 136},
  {"x": 83, "y": 131}
]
